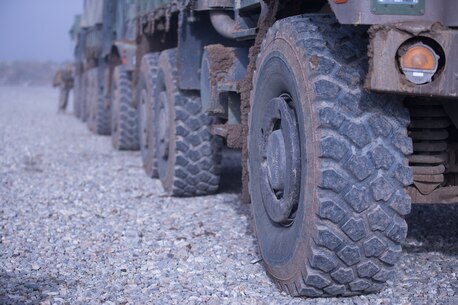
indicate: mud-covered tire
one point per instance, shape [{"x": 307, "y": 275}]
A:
[
  {"x": 124, "y": 121},
  {"x": 148, "y": 74},
  {"x": 91, "y": 98},
  {"x": 188, "y": 155},
  {"x": 84, "y": 95},
  {"x": 77, "y": 95},
  {"x": 336, "y": 229},
  {"x": 99, "y": 117}
]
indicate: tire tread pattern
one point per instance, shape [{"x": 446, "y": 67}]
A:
[
  {"x": 99, "y": 120},
  {"x": 125, "y": 137},
  {"x": 360, "y": 223},
  {"x": 198, "y": 152}
]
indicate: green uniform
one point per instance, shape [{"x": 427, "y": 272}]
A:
[{"x": 64, "y": 80}]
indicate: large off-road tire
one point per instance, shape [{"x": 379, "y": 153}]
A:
[
  {"x": 91, "y": 97},
  {"x": 84, "y": 113},
  {"x": 77, "y": 95},
  {"x": 99, "y": 117},
  {"x": 327, "y": 161},
  {"x": 148, "y": 74},
  {"x": 188, "y": 155},
  {"x": 124, "y": 121}
]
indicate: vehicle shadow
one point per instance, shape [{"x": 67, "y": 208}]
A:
[
  {"x": 231, "y": 172},
  {"x": 433, "y": 228},
  {"x": 24, "y": 289},
  {"x": 231, "y": 183}
]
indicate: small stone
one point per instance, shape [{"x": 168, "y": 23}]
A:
[{"x": 35, "y": 266}]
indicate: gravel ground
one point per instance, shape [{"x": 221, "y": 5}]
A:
[{"x": 81, "y": 224}]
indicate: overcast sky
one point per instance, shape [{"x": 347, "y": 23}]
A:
[{"x": 37, "y": 29}]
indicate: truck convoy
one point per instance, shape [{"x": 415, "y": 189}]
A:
[{"x": 345, "y": 112}]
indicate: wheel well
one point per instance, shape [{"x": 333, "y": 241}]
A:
[
  {"x": 114, "y": 60},
  {"x": 156, "y": 36},
  {"x": 290, "y": 8}
]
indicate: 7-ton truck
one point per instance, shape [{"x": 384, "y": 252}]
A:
[{"x": 345, "y": 112}]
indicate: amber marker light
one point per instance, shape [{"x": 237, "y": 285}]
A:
[
  {"x": 419, "y": 63},
  {"x": 419, "y": 57}
]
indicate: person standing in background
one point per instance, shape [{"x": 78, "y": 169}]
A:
[{"x": 64, "y": 80}]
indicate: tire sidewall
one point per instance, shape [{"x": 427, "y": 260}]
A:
[
  {"x": 92, "y": 98},
  {"x": 143, "y": 123},
  {"x": 165, "y": 80},
  {"x": 115, "y": 107},
  {"x": 301, "y": 231}
]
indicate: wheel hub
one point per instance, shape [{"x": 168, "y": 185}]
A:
[
  {"x": 276, "y": 160},
  {"x": 115, "y": 110},
  {"x": 281, "y": 160},
  {"x": 163, "y": 126},
  {"x": 143, "y": 120}
]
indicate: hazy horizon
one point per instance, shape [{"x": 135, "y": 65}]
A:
[{"x": 37, "y": 30}]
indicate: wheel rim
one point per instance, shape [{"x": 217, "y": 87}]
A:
[
  {"x": 163, "y": 148},
  {"x": 143, "y": 122},
  {"x": 115, "y": 111},
  {"x": 280, "y": 160},
  {"x": 277, "y": 104},
  {"x": 162, "y": 125}
]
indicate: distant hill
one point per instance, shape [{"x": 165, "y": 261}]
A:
[{"x": 28, "y": 73}]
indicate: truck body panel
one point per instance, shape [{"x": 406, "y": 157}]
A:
[{"x": 387, "y": 12}]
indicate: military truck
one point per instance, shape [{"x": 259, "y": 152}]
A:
[
  {"x": 75, "y": 32},
  {"x": 94, "y": 37},
  {"x": 344, "y": 111},
  {"x": 121, "y": 64}
]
